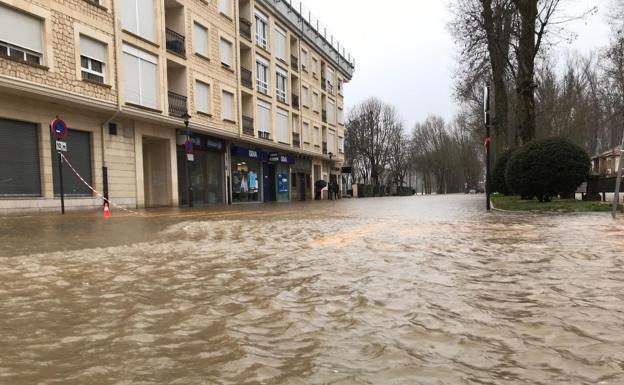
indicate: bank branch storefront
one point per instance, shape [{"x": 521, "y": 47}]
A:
[{"x": 259, "y": 176}]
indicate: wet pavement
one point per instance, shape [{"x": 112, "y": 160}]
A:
[{"x": 418, "y": 290}]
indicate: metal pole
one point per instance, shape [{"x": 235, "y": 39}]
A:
[
  {"x": 618, "y": 180},
  {"x": 488, "y": 141},
  {"x": 60, "y": 163}
]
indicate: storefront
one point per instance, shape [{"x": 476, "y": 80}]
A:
[
  {"x": 20, "y": 174},
  {"x": 278, "y": 177},
  {"x": 247, "y": 174},
  {"x": 301, "y": 180},
  {"x": 204, "y": 174}
]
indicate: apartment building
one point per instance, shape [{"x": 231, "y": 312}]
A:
[{"x": 251, "y": 88}]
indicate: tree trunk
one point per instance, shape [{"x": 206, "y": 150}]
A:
[{"x": 526, "y": 70}]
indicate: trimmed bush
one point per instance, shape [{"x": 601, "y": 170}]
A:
[
  {"x": 499, "y": 184},
  {"x": 547, "y": 168}
]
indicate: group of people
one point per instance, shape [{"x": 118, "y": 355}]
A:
[{"x": 333, "y": 189}]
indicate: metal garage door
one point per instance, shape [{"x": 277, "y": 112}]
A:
[
  {"x": 79, "y": 154},
  {"x": 19, "y": 159}
]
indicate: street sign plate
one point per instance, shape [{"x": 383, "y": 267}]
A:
[
  {"x": 61, "y": 146},
  {"x": 59, "y": 129},
  {"x": 190, "y": 157}
]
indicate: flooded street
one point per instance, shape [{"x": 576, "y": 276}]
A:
[{"x": 381, "y": 291}]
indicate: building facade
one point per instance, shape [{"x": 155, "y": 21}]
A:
[{"x": 258, "y": 84}]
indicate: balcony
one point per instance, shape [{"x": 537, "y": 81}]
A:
[
  {"x": 296, "y": 140},
  {"x": 324, "y": 148},
  {"x": 245, "y": 28},
  {"x": 323, "y": 83},
  {"x": 295, "y": 101},
  {"x": 294, "y": 62},
  {"x": 324, "y": 115},
  {"x": 264, "y": 135},
  {"x": 248, "y": 126},
  {"x": 177, "y": 105},
  {"x": 175, "y": 42},
  {"x": 246, "y": 78}
]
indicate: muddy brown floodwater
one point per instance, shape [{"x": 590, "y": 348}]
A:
[{"x": 392, "y": 291}]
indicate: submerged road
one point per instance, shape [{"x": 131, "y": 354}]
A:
[{"x": 417, "y": 290}]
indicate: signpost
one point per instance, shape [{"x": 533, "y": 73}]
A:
[
  {"x": 488, "y": 143},
  {"x": 59, "y": 129}
]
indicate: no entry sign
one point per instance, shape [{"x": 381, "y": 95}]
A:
[{"x": 59, "y": 129}]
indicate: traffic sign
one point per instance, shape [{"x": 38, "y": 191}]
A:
[
  {"x": 61, "y": 146},
  {"x": 189, "y": 146},
  {"x": 59, "y": 128}
]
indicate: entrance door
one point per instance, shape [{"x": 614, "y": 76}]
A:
[
  {"x": 301, "y": 186},
  {"x": 156, "y": 178},
  {"x": 266, "y": 186},
  {"x": 272, "y": 184}
]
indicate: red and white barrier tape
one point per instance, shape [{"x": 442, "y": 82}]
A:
[{"x": 99, "y": 195}]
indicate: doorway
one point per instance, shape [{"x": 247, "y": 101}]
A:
[{"x": 156, "y": 172}]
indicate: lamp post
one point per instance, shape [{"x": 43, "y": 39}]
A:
[{"x": 189, "y": 154}]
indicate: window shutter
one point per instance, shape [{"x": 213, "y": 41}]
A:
[
  {"x": 146, "y": 19},
  {"x": 21, "y": 29},
  {"x": 200, "y": 39},
  {"x": 132, "y": 78},
  {"x": 202, "y": 97},
  {"x": 92, "y": 48},
  {"x": 19, "y": 165},
  {"x": 282, "y": 126},
  {"x": 226, "y": 52},
  {"x": 129, "y": 20},
  {"x": 225, "y": 7},
  {"x": 79, "y": 144},
  {"x": 227, "y": 107},
  {"x": 149, "y": 84},
  {"x": 263, "y": 113},
  {"x": 280, "y": 42}
]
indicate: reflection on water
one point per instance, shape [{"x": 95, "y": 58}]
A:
[{"x": 393, "y": 291}]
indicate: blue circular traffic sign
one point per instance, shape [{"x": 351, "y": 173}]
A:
[
  {"x": 59, "y": 129},
  {"x": 188, "y": 146}
]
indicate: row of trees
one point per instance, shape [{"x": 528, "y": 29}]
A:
[{"x": 442, "y": 156}]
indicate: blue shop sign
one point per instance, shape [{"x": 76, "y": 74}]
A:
[
  {"x": 278, "y": 158},
  {"x": 203, "y": 142},
  {"x": 249, "y": 153}
]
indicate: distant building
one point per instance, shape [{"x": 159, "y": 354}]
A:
[
  {"x": 607, "y": 163},
  {"x": 262, "y": 80}
]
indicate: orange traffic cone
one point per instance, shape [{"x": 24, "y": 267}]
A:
[{"x": 106, "y": 210}]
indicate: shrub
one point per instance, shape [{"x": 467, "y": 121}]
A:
[
  {"x": 547, "y": 168},
  {"x": 499, "y": 184}
]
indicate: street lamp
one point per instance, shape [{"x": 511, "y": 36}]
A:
[{"x": 189, "y": 186}]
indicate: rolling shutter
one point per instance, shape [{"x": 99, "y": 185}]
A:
[
  {"x": 79, "y": 154},
  {"x": 19, "y": 159},
  {"x": 20, "y": 29}
]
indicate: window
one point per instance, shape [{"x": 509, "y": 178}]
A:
[
  {"x": 140, "y": 77},
  {"x": 304, "y": 60},
  {"x": 331, "y": 142},
  {"x": 315, "y": 102},
  {"x": 200, "y": 39},
  {"x": 19, "y": 165},
  {"x": 282, "y": 85},
  {"x": 340, "y": 116},
  {"x": 341, "y": 144},
  {"x": 314, "y": 66},
  {"x": 202, "y": 97},
  {"x": 330, "y": 80},
  {"x": 20, "y": 36},
  {"x": 137, "y": 17},
  {"x": 225, "y": 7},
  {"x": 280, "y": 43},
  {"x": 262, "y": 75},
  {"x": 226, "y": 53},
  {"x": 263, "y": 115},
  {"x": 92, "y": 59},
  {"x": 340, "y": 87},
  {"x": 305, "y": 93},
  {"x": 262, "y": 30},
  {"x": 331, "y": 112},
  {"x": 306, "y": 132},
  {"x": 227, "y": 106},
  {"x": 316, "y": 137},
  {"x": 282, "y": 126},
  {"x": 79, "y": 144}
]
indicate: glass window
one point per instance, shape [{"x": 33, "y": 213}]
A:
[
  {"x": 282, "y": 85},
  {"x": 21, "y": 35},
  {"x": 262, "y": 30},
  {"x": 245, "y": 180},
  {"x": 262, "y": 75},
  {"x": 92, "y": 59}
]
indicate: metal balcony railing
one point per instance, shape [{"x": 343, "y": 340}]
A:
[
  {"x": 296, "y": 139},
  {"x": 324, "y": 84},
  {"x": 245, "y": 28},
  {"x": 324, "y": 115},
  {"x": 294, "y": 62},
  {"x": 175, "y": 42},
  {"x": 177, "y": 104},
  {"x": 264, "y": 135},
  {"x": 248, "y": 126},
  {"x": 246, "y": 78},
  {"x": 324, "y": 148},
  {"x": 295, "y": 101}
]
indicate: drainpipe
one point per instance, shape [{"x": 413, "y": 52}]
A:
[{"x": 118, "y": 111}]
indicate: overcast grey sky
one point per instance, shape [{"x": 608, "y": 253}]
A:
[{"x": 405, "y": 55}]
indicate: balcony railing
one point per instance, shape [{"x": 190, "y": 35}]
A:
[
  {"x": 324, "y": 148},
  {"x": 245, "y": 28},
  {"x": 296, "y": 139},
  {"x": 295, "y": 101},
  {"x": 246, "y": 78},
  {"x": 177, "y": 105},
  {"x": 294, "y": 62},
  {"x": 248, "y": 126},
  {"x": 175, "y": 42},
  {"x": 324, "y": 115},
  {"x": 324, "y": 84},
  {"x": 264, "y": 135}
]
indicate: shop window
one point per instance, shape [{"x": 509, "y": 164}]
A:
[
  {"x": 20, "y": 175},
  {"x": 245, "y": 180}
]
